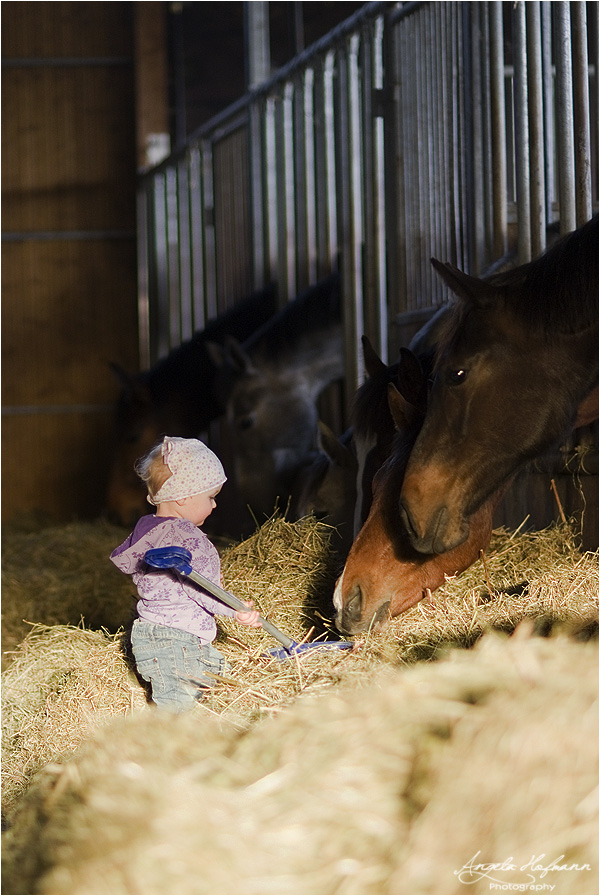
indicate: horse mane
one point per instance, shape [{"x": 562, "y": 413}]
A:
[
  {"x": 370, "y": 412},
  {"x": 316, "y": 309},
  {"x": 556, "y": 293}
]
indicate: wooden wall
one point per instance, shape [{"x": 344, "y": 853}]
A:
[{"x": 69, "y": 302}]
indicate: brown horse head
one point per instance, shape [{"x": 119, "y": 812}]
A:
[
  {"x": 513, "y": 375},
  {"x": 384, "y": 575}
]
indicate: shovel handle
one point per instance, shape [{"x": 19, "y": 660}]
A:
[{"x": 179, "y": 559}]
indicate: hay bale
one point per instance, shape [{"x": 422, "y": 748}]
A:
[
  {"x": 46, "y": 690},
  {"x": 63, "y": 683},
  {"x": 385, "y": 788},
  {"x": 541, "y": 576},
  {"x": 62, "y": 575},
  {"x": 59, "y": 575},
  {"x": 289, "y": 570}
]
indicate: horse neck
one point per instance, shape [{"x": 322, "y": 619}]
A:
[{"x": 314, "y": 360}]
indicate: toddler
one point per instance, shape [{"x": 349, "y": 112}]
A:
[{"x": 173, "y": 633}]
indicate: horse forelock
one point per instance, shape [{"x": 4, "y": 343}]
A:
[{"x": 449, "y": 330}]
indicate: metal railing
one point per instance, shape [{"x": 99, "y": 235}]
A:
[{"x": 456, "y": 130}]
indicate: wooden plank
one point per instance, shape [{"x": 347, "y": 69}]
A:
[
  {"x": 68, "y": 149},
  {"x": 55, "y": 465},
  {"x": 532, "y": 499},
  {"x": 68, "y": 309},
  {"x": 60, "y": 29}
]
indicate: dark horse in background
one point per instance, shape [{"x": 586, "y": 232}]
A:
[
  {"x": 515, "y": 371},
  {"x": 270, "y": 384},
  {"x": 177, "y": 396}
]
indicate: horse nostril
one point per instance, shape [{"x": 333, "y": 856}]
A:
[
  {"x": 407, "y": 519},
  {"x": 382, "y": 613},
  {"x": 354, "y": 607}
]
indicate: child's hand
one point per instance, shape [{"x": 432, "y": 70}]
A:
[{"x": 248, "y": 617}]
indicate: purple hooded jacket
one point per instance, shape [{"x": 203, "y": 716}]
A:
[{"x": 165, "y": 597}]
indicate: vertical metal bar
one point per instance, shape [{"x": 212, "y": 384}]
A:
[
  {"x": 356, "y": 173},
  {"x": 521, "y": 132},
  {"x": 160, "y": 342},
  {"x": 311, "y": 265},
  {"x": 330, "y": 159},
  {"x": 320, "y": 173},
  {"x": 185, "y": 252},
  {"x": 421, "y": 153},
  {"x": 271, "y": 168},
  {"x": 409, "y": 139},
  {"x": 564, "y": 117},
  {"x": 350, "y": 220},
  {"x": 143, "y": 277},
  {"x": 256, "y": 33},
  {"x": 298, "y": 165},
  {"x": 476, "y": 140},
  {"x": 487, "y": 211},
  {"x": 498, "y": 111},
  {"x": 392, "y": 128},
  {"x": 443, "y": 244},
  {"x": 196, "y": 238},
  {"x": 209, "y": 229},
  {"x": 462, "y": 164},
  {"x": 380, "y": 296},
  {"x": 548, "y": 95},
  {"x": 258, "y": 172},
  {"x": 367, "y": 116},
  {"x": 173, "y": 255},
  {"x": 289, "y": 210},
  {"x": 581, "y": 112},
  {"x": 536, "y": 127}
]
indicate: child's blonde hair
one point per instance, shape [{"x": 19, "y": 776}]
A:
[{"x": 152, "y": 469}]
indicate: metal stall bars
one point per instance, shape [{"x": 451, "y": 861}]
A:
[{"x": 455, "y": 130}]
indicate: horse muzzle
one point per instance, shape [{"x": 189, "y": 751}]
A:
[
  {"x": 355, "y": 617},
  {"x": 439, "y": 534}
]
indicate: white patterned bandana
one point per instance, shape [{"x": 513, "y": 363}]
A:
[{"x": 195, "y": 469}]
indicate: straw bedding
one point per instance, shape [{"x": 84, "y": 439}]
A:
[
  {"x": 64, "y": 682},
  {"x": 57, "y": 575},
  {"x": 388, "y": 788}
]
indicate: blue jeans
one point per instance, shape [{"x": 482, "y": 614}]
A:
[{"x": 175, "y": 663}]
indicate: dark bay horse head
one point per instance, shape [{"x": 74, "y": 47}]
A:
[
  {"x": 513, "y": 375},
  {"x": 384, "y": 575},
  {"x": 178, "y": 396},
  {"x": 272, "y": 382},
  {"x": 326, "y": 488}
]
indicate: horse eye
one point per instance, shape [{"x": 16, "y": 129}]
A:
[
  {"x": 245, "y": 422},
  {"x": 457, "y": 377}
]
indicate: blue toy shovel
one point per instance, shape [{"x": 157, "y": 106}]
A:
[{"x": 179, "y": 559}]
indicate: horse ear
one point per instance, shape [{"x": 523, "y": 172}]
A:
[
  {"x": 215, "y": 352},
  {"x": 126, "y": 380},
  {"x": 237, "y": 358},
  {"x": 133, "y": 388},
  {"x": 373, "y": 363},
  {"x": 403, "y": 412},
  {"x": 472, "y": 289},
  {"x": 337, "y": 453}
]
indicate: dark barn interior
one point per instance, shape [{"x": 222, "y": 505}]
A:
[
  {"x": 86, "y": 89},
  {"x": 94, "y": 94}
]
